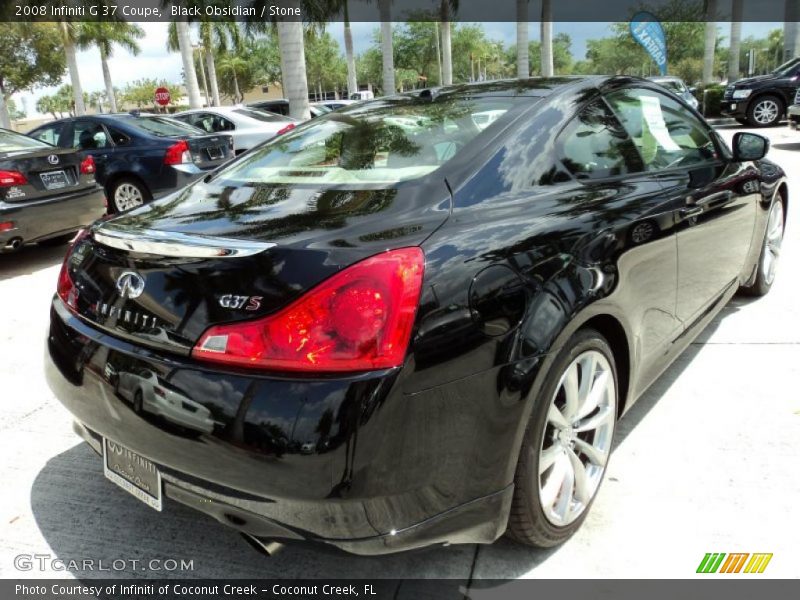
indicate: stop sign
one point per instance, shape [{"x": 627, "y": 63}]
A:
[{"x": 162, "y": 96}]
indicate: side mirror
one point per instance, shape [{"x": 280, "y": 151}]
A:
[
  {"x": 749, "y": 146},
  {"x": 692, "y": 90}
]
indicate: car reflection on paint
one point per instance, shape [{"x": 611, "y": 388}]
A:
[{"x": 148, "y": 394}]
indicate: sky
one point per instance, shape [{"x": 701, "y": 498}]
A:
[{"x": 155, "y": 62}]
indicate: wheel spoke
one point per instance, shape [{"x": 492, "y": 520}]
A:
[
  {"x": 549, "y": 457},
  {"x": 566, "y": 491},
  {"x": 596, "y": 394},
  {"x": 557, "y": 418},
  {"x": 555, "y": 481},
  {"x": 595, "y": 455},
  {"x": 601, "y": 417},
  {"x": 582, "y": 491},
  {"x": 570, "y": 384},
  {"x": 588, "y": 369}
]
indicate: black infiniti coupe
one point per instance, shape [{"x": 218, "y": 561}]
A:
[{"x": 416, "y": 320}]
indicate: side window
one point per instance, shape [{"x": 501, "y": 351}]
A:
[
  {"x": 665, "y": 134},
  {"x": 594, "y": 145},
  {"x": 49, "y": 134},
  {"x": 87, "y": 135},
  {"x": 119, "y": 138}
]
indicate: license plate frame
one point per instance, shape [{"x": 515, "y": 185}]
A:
[
  {"x": 135, "y": 467},
  {"x": 54, "y": 180},
  {"x": 215, "y": 152}
]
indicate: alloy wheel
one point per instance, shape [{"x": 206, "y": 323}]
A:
[
  {"x": 766, "y": 112},
  {"x": 772, "y": 242},
  {"x": 127, "y": 196},
  {"x": 577, "y": 439}
]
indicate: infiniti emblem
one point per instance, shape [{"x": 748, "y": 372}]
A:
[
  {"x": 130, "y": 285},
  {"x": 52, "y": 159}
]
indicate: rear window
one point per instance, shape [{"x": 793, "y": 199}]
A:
[
  {"x": 260, "y": 115},
  {"x": 161, "y": 126},
  {"x": 16, "y": 142},
  {"x": 379, "y": 142}
]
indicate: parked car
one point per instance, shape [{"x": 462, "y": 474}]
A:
[
  {"x": 793, "y": 112},
  {"x": 333, "y": 104},
  {"x": 247, "y": 126},
  {"x": 678, "y": 87},
  {"x": 281, "y": 107},
  {"x": 762, "y": 101},
  {"x": 147, "y": 393},
  {"x": 46, "y": 193},
  {"x": 362, "y": 95},
  {"x": 419, "y": 330},
  {"x": 139, "y": 156}
]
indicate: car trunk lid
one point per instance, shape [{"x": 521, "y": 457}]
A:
[{"x": 45, "y": 173}]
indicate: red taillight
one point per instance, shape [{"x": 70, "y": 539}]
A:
[
  {"x": 7, "y": 226},
  {"x": 359, "y": 319},
  {"x": 87, "y": 166},
  {"x": 65, "y": 288},
  {"x": 159, "y": 391},
  {"x": 283, "y": 130},
  {"x": 9, "y": 178},
  {"x": 178, "y": 154}
]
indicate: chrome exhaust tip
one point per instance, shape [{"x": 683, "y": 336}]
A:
[
  {"x": 13, "y": 244},
  {"x": 265, "y": 547}
]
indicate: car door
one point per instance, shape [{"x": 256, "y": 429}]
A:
[
  {"x": 91, "y": 138},
  {"x": 639, "y": 216},
  {"x": 716, "y": 197}
]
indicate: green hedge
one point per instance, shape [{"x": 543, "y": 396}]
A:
[{"x": 713, "y": 99}]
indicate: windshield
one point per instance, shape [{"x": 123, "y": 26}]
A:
[
  {"x": 260, "y": 115},
  {"x": 16, "y": 142},
  {"x": 379, "y": 142},
  {"x": 162, "y": 126},
  {"x": 787, "y": 68}
]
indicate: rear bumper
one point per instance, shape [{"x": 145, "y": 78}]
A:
[
  {"x": 41, "y": 219},
  {"x": 174, "y": 177},
  {"x": 349, "y": 461}
]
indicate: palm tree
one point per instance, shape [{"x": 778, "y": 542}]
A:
[
  {"x": 235, "y": 65},
  {"x": 352, "y": 83},
  {"x": 105, "y": 35},
  {"x": 385, "y": 9},
  {"x": 218, "y": 36},
  {"x": 446, "y": 7},
  {"x": 183, "y": 43},
  {"x": 736, "y": 41},
  {"x": 547, "y": 38},
  {"x": 523, "y": 67},
  {"x": 69, "y": 35},
  {"x": 710, "y": 41}
]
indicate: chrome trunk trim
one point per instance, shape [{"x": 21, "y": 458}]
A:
[{"x": 180, "y": 245}]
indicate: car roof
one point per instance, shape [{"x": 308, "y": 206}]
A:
[
  {"x": 658, "y": 78},
  {"x": 537, "y": 87}
]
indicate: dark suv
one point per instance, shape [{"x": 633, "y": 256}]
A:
[
  {"x": 761, "y": 101},
  {"x": 139, "y": 156}
]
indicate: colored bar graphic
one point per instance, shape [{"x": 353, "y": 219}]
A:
[{"x": 733, "y": 564}]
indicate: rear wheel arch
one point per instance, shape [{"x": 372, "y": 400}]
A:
[{"x": 113, "y": 179}]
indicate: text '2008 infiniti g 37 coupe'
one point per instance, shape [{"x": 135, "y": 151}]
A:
[{"x": 416, "y": 320}]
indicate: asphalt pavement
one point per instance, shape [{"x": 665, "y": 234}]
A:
[{"x": 705, "y": 462}]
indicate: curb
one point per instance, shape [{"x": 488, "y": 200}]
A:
[{"x": 722, "y": 121}]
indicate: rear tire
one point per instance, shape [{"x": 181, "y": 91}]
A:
[
  {"x": 567, "y": 443},
  {"x": 770, "y": 251},
  {"x": 127, "y": 193},
  {"x": 765, "y": 111}
]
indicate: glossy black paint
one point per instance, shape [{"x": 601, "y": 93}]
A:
[
  {"x": 782, "y": 87},
  {"x": 517, "y": 260},
  {"x": 136, "y": 153}
]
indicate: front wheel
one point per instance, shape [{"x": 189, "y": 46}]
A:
[
  {"x": 765, "y": 111},
  {"x": 567, "y": 443},
  {"x": 770, "y": 252}
]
